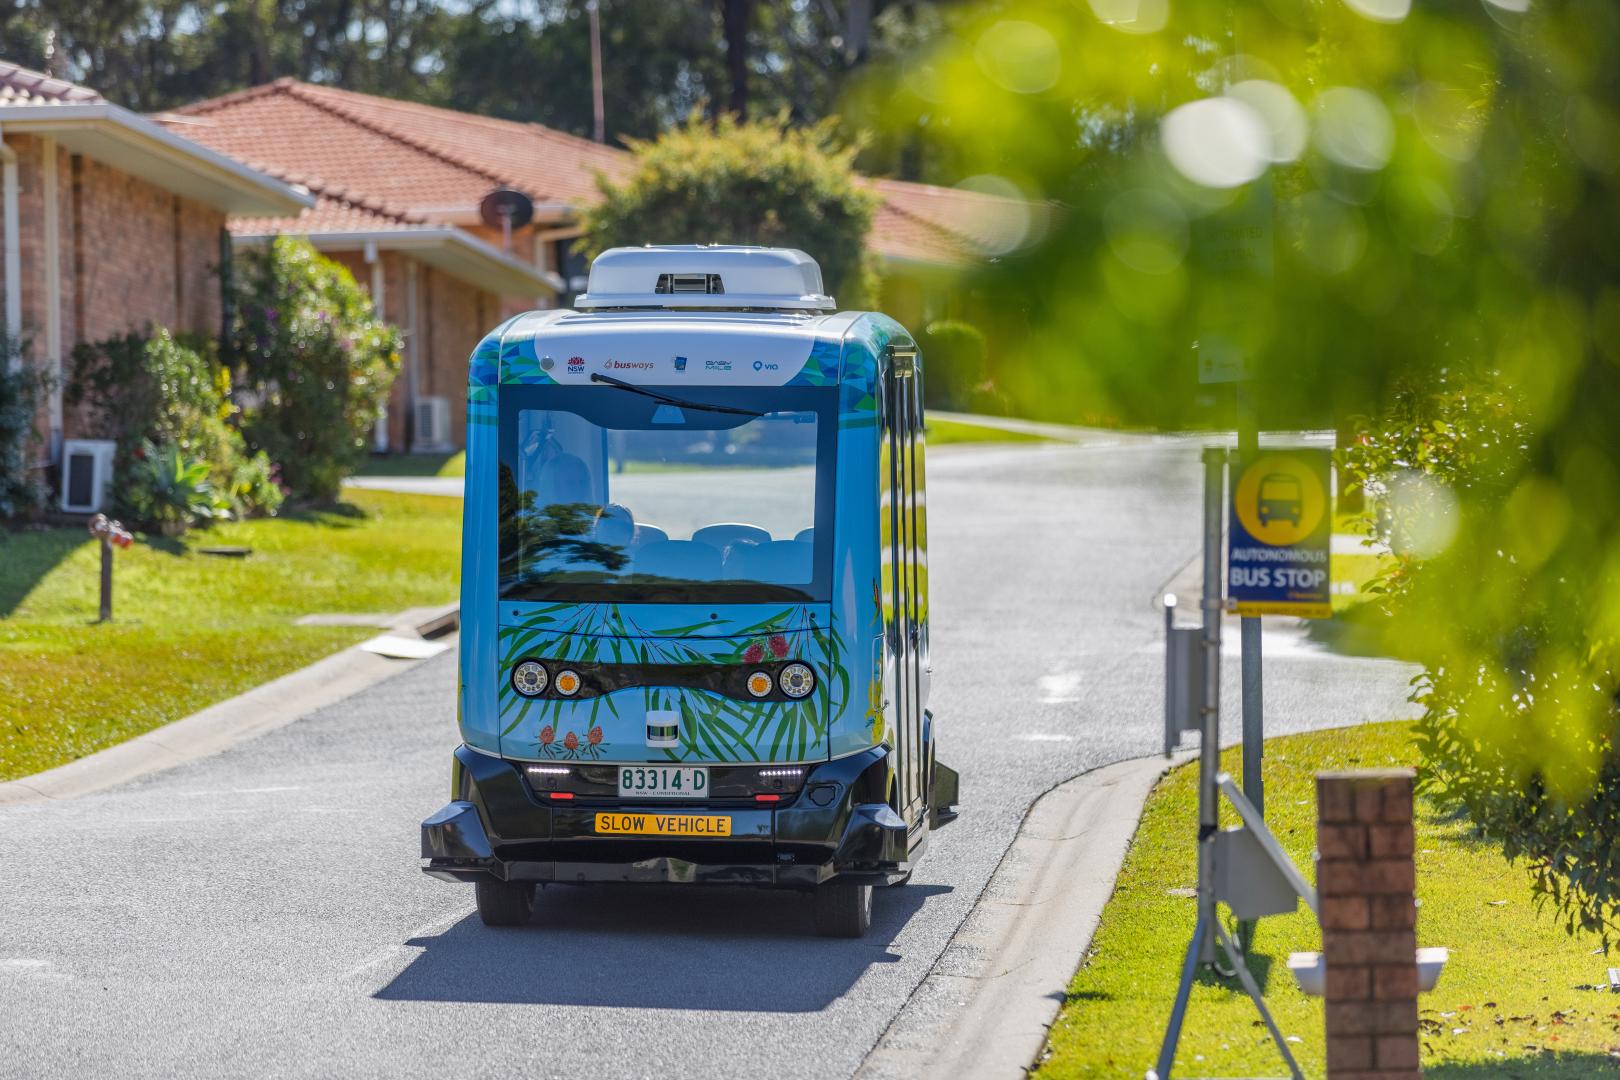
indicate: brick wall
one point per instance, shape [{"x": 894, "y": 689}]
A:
[
  {"x": 1365, "y": 882},
  {"x": 451, "y": 316}
]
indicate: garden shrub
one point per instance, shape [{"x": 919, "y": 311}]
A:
[
  {"x": 162, "y": 390},
  {"x": 21, "y": 390},
  {"x": 164, "y": 489},
  {"x": 954, "y": 374},
  {"x": 763, "y": 182},
  {"x": 314, "y": 364}
]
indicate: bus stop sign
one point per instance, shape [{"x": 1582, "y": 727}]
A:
[{"x": 1281, "y": 535}]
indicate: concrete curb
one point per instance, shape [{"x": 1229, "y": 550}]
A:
[
  {"x": 984, "y": 1009},
  {"x": 248, "y": 715}
]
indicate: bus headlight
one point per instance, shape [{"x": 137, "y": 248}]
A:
[
  {"x": 567, "y": 682},
  {"x": 796, "y": 680},
  {"x": 530, "y": 678}
]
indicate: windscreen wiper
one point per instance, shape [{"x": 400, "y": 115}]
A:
[{"x": 597, "y": 376}]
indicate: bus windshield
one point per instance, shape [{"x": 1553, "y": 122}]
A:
[{"x": 610, "y": 493}]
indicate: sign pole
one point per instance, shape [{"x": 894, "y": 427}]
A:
[
  {"x": 1209, "y": 737},
  {"x": 1254, "y": 726}
]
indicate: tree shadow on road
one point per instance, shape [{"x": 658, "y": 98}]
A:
[{"x": 647, "y": 947}]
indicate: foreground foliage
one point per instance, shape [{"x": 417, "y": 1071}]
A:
[
  {"x": 1407, "y": 212},
  {"x": 191, "y": 629},
  {"x": 1491, "y": 1015}
]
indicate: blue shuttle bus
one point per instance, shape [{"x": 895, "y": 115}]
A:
[{"x": 694, "y": 593}]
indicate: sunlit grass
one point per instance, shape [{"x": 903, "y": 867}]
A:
[
  {"x": 1512, "y": 1001},
  {"x": 944, "y": 432},
  {"x": 414, "y": 465},
  {"x": 191, "y": 629}
]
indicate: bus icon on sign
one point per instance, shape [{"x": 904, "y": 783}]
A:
[{"x": 1279, "y": 499}]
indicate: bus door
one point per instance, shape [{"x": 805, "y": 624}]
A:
[{"x": 903, "y": 423}]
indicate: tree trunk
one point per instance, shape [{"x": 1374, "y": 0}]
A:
[{"x": 736, "y": 16}]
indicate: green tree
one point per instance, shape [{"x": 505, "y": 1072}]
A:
[{"x": 743, "y": 183}]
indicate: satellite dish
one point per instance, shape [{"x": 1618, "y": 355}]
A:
[{"x": 506, "y": 209}]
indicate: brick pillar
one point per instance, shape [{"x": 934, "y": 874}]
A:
[{"x": 1365, "y": 879}]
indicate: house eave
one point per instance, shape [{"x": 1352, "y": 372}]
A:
[
  {"x": 135, "y": 145},
  {"x": 447, "y": 248}
]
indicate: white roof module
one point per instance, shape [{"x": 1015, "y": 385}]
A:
[{"x": 709, "y": 276}]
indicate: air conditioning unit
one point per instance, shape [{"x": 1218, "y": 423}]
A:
[
  {"x": 87, "y": 466},
  {"x": 432, "y": 433}
]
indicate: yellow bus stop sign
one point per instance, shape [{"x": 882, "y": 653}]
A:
[{"x": 1280, "y": 536}]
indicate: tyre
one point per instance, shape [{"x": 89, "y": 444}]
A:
[
  {"x": 843, "y": 910},
  {"x": 903, "y": 881},
  {"x": 505, "y": 903}
]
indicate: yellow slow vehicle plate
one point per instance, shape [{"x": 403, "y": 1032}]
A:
[{"x": 639, "y": 824}]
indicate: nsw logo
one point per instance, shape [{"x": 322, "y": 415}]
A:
[{"x": 576, "y": 365}]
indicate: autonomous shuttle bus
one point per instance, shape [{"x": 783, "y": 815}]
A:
[{"x": 694, "y": 593}]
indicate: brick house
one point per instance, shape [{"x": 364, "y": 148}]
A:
[
  {"x": 398, "y": 186},
  {"x": 110, "y": 223}
]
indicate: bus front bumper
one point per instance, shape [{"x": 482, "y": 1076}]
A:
[{"x": 497, "y": 828}]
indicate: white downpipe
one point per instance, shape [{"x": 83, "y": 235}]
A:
[
  {"x": 412, "y": 377},
  {"x": 13, "y": 247},
  {"x": 379, "y": 436},
  {"x": 53, "y": 292}
]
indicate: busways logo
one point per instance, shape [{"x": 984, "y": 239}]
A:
[{"x": 611, "y": 364}]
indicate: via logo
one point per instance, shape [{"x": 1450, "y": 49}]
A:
[
  {"x": 760, "y": 365},
  {"x": 680, "y": 363}
]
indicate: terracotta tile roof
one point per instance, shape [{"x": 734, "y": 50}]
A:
[
  {"x": 22, "y": 86},
  {"x": 418, "y": 162},
  {"x": 410, "y": 156},
  {"x": 983, "y": 225},
  {"x": 334, "y": 212}
]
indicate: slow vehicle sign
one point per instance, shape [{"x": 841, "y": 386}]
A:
[{"x": 1280, "y": 539}]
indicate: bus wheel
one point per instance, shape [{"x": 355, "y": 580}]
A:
[
  {"x": 505, "y": 903},
  {"x": 843, "y": 910}
]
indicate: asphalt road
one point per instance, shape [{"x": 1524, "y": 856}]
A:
[{"x": 261, "y": 913}]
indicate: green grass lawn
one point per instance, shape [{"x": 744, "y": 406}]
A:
[
  {"x": 192, "y": 629},
  {"x": 1512, "y": 1001},
  {"x": 414, "y": 465},
  {"x": 945, "y": 432}
]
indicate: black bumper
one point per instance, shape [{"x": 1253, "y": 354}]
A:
[{"x": 497, "y": 827}]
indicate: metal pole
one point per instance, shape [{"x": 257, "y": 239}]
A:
[
  {"x": 1254, "y": 727},
  {"x": 1172, "y": 722},
  {"x": 1209, "y": 739},
  {"x": 106, "y": 577},
  {"x": 1201, "y": 949}
]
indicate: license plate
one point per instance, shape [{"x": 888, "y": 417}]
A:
[
  {"x": 663, "y": 782},
  {"x": 633, "y": 824}
]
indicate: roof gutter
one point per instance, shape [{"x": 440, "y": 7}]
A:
[
  {"x": 13, "y": 250},
  {"x": 137, "y": 134},
  {"x": 444, "y": 237}
]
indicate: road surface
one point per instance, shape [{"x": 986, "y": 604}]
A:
[{"x": 261, "y": 913}]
